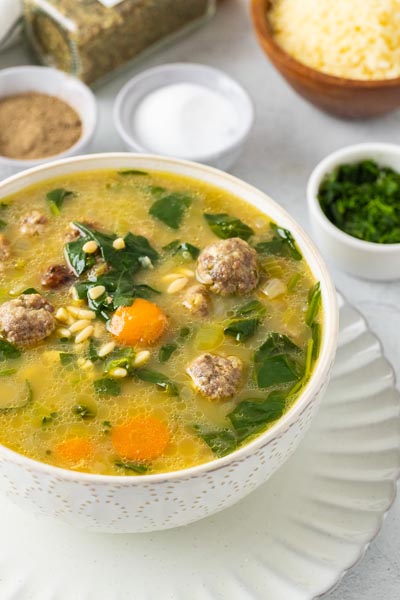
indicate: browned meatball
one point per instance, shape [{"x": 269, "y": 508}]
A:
[
  {"x": 56, "y": 276},
  {"x": 27, "y": 319},
  {"x": 197, "y": 300},
  {"x": 228, "y": 267},
  {"x": 216, "y": 376},
  {"x": 34, "y": 223}
]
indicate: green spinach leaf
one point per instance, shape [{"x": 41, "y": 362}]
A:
[
  {"x": 242, "y": 329},
  {"x": 132, "y": 172},
  {"x": 282, "y": 244},
  {"x": 171, "y": 209},
  {"x": 251, "y": 416},
  {"x": 182, "y": 248},
  {"x": 159, "y": 379},
  {"x": 132, "y": 466},
  {"x": 56, "y": 199},
  {"x": 246, "y": 321},
  {"x": 225, "y": 226},
  {"x": 120, "y": 358},
  {"x": 278, "y": 361},
  {"x": 48, "y": 419},
  {"x": 166, "y": 352},
  {"x": 77, "y": 259},
  {"x": 8, "y": 350},
  {"x": 314, "y": 303},
  {"x": 84, "y": 412},
  {"x": 3, "y": 224},
  {"x": 67, "y": 358},
  {"x": 107, "y": 387},
  {"x": 221, "y": 441}
]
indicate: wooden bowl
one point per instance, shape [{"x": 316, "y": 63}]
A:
[{"x": 349, "y": 98}]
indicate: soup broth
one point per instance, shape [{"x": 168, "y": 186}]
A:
[{"x": 143, "y": 368}]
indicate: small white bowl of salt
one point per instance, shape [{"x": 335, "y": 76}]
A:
[{"x": 185, "y": 110}]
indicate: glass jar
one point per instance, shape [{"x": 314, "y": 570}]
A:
[{"x": 92, "y": 38}]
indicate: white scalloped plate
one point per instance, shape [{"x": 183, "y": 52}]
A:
[{"x": 293, "y": 538}]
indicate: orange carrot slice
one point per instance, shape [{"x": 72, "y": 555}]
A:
[
  {"x": 74, "y": 450},
  {"x": 142, "y": 438},
  {"x": 141, "y": 323}
]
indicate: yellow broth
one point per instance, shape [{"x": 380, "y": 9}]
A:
[{"x": 120, "y": 203}]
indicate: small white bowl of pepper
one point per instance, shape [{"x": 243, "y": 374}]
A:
[
  {"x": 44, "y": 114},
  {"x": 354, "y": 206}
]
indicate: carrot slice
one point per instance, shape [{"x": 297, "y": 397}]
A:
[
  {"x": 74, "y": 450},
  {"x": 141, "y": 323},
  {"x": 142, "y": 438}
]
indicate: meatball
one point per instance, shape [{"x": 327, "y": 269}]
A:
[
  {"x": 196, "y": 300},
  {"x": 56, "y": 276},
  {"x": 216, "y": 376},
  {"x": 34, "y": 223},
  {"x": 228, "y": 267},
  {"x": 27, "y": 319}
]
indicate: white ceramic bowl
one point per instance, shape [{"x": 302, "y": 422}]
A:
[
  {"x": 133, "y": 92},
  {"x": 153, "y": 502},
  {"x": 380, "y": 262},
  {"x": 45, "y": 80}
]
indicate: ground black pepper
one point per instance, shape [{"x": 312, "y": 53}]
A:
[{"x": 34, "y": 125}]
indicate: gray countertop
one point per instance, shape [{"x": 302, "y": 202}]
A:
[{"x": 289, "y": 138}]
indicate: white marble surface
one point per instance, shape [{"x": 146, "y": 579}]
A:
[{"x": 288, "y": 139}]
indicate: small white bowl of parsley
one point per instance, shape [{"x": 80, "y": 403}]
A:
[{"x": 354, "y": 205}]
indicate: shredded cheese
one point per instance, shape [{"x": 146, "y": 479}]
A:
[{"x": 355, "y": 39}]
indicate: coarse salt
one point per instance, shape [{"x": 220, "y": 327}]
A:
[{"x": 187, "y": 120}]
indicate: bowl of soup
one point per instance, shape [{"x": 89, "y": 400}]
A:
[{"x": 166, "y": 334}]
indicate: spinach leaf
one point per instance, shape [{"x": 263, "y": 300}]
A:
[
  {"x": 314, "y": 302},
  {"x": 253, "y": 308},
  {"x": 316, "y": 337},
  {"x": 136, "y": 247},
  {"x": 84, "y": 412},
  {"x": 282, "y": 244},
  {"x": 92, "y": 353},
  {"x": 171, "y": 209},
  {"x": 132, "y": 172},
  {"x": 183, "y": 248},
  {"x": 158, "y": 379},
  {"x": 29, "y": 291},
  {"x": 119, "y": 287},
  {"x": 132, "y": 466},
  {"x": 278, "y": 361},
  {"x": 8, "y": 350},
  {"x": 107, "y": 387},
  {"x": 8, "y": 372},
  {"x": 119, "y": 358},
  {"x": 221, "y": 441},
  {"x": 77, "y": 259},
  {"x": 67, "y": 358},
  {"x": 166, "y": 352},
  {"x": 242, "y": 329},
  {"x": 56, "y": 199},
  {"x": 225, "y": 226},
  {"x": 250, "y": 416},
  {"x": 246, "y": 321},
  {"x": 46, "y": 420},
  {"x": 3, "y": 224}
]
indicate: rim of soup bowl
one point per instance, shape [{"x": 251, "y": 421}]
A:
[{"x": 330, "y": 310}]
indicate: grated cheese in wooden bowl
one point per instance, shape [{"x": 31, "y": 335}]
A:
[{"x": 355, "y": 39}]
